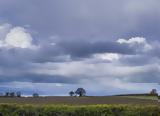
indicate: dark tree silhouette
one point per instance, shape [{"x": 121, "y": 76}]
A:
[
  {"x": 12, "y": 94},
  {"x": 35, "y": 95},
  {"x": 18, "y": 94},
  {"x": 80, "y": 92},
  {"x": 153, "y": 92},
  {"x": 71, "y": 93},
  {"x": 7, "y": 94}
]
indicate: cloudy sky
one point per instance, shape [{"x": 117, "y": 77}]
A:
[{"x": 54, "y": 46}]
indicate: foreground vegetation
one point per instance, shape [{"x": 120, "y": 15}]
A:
[{"x": 68, "y": 110}]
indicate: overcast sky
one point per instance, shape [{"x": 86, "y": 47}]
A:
[{"x": 54, "y": 46}]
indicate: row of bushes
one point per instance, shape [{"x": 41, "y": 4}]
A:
[{"x": 64, "y": 110}]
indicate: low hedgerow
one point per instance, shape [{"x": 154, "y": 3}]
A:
[{"x": 86, "y": 110}]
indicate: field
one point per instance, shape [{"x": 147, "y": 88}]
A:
[
  {"x": 142, "y": 100},
  {"x": 87, "y": 110},
  {"x": 143, "y": 97},
  {"x": 80, "y": 106}
]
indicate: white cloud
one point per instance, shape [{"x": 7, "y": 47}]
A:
[
  {"x": 15, "y": 37},
  {"x": 78, "y": 69},
  {"x": 58, "y": 84},
  {"x": 133, "y": 40},
  {"x": 107, "y": 56},
  {"x": 18, "y": 37},
  {"x": 136, "y": 41}
]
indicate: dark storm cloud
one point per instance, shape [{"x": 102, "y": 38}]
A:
[
  {"x": 85, "y": 48},
  {"x": 58, "y": 53},
  {"x": 37, "y": 78}
]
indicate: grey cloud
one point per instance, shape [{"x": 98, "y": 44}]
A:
[
  {"x": 59, "y": 52},
  {"x": 81, "y": 49},
  {"x": 137, "y": 60},
  {"x": 84, "y": 28},
  {"x": 148, "y": 76},
  {"x": 104, "y": 19},
  {"x": 37, "y": 78}
]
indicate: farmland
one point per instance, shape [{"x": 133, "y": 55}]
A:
[
  {"x": 87, "y": 110},
  {"x": 139, "y": 100},
  {"x": 80, "y": 106}
]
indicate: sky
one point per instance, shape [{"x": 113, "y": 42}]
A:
[{"x": 107, "y": 47}]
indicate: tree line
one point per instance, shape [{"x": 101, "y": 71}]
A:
[
  {"x": 17, "y": 94},
  {"x": 79, "y": 92}
]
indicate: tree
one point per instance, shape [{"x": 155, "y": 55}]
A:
[
  {"x": 12, "y": 94},
  {"x": 71, "y": 93},
  {"x": 153, "y": 92},
  {"x": 80, "y": 92},
  {"x": 18, "y": 94},
  {"x": 7, "y": 94},
  {"x": 35, "y": 95}
]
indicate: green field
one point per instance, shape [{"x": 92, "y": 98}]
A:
[{"x": 85, "y": 110}]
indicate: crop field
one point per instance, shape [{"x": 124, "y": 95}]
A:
[
  {"x": 139, "y": 100},
  {"x": 80, "y": 106},
  {"x": 76, "y": 110}
]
